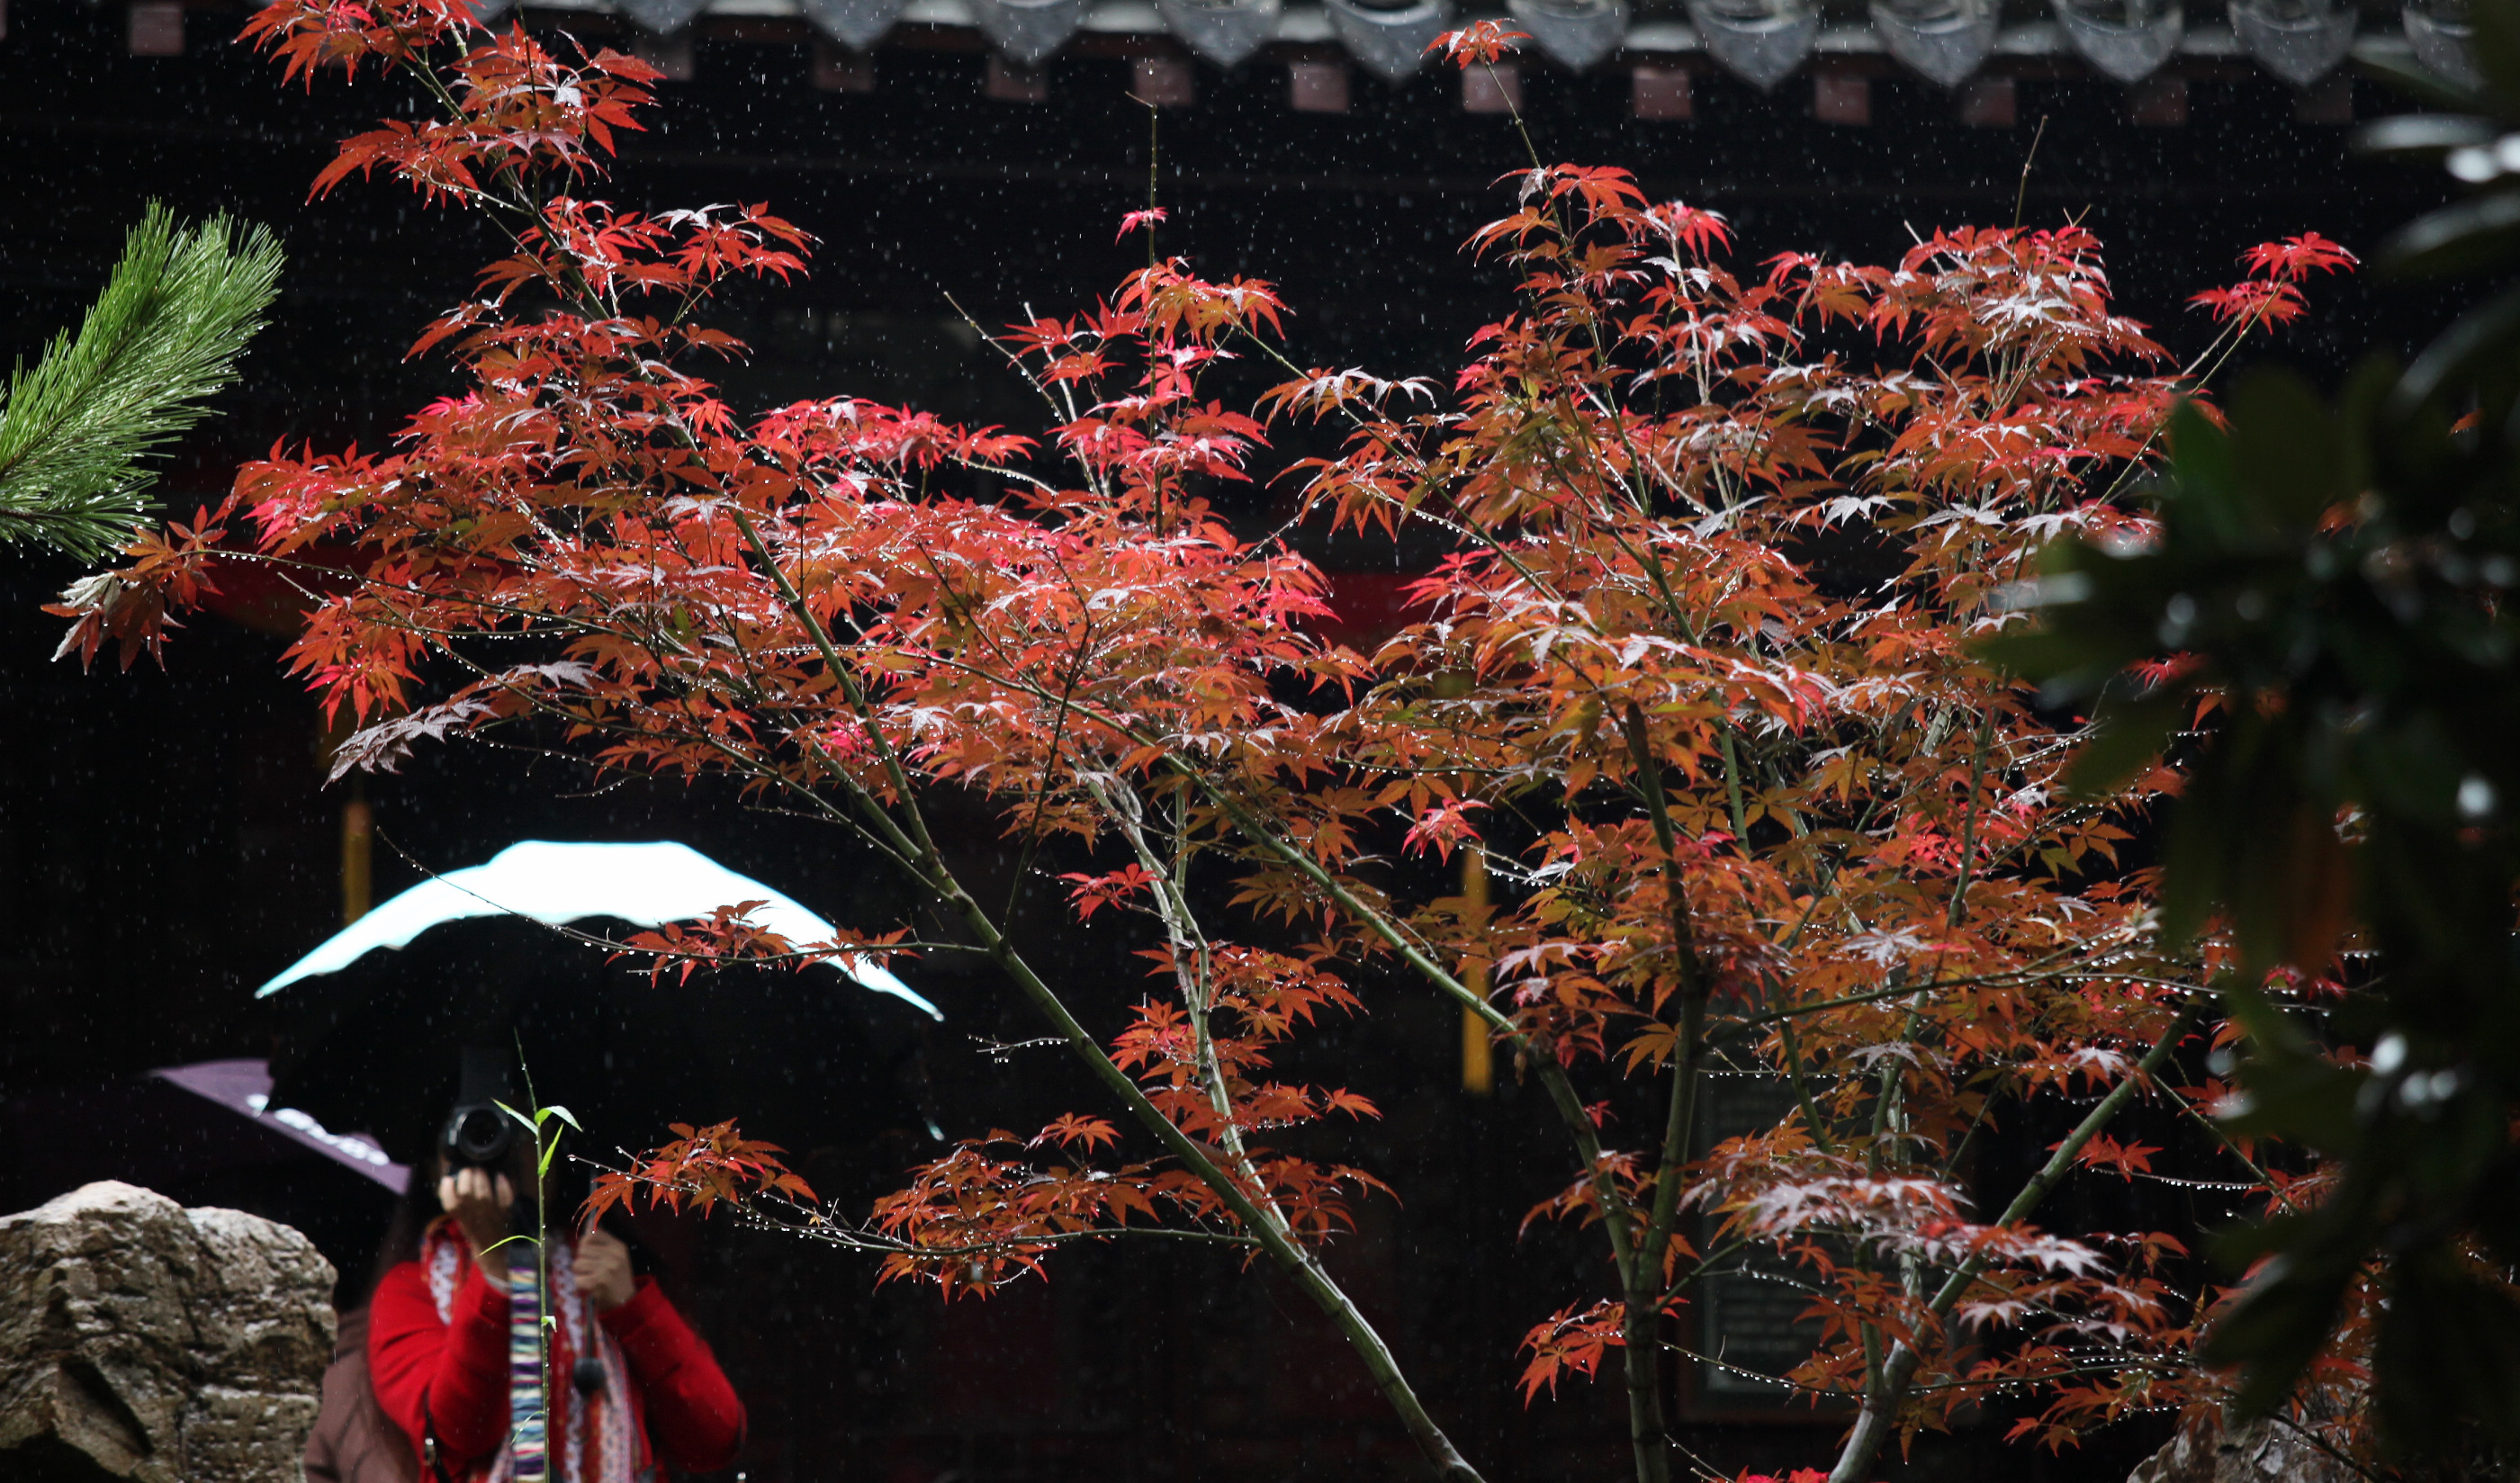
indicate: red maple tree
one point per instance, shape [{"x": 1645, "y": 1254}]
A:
[{"x": 1692, "y": 683}]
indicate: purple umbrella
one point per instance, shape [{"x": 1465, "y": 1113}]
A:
[{"x": 244, "y": 1087}]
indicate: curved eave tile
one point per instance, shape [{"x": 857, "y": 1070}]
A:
[{"x": 1650, "y": 39}]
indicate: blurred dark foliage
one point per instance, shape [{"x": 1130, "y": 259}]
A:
[{"x": 2333, "y": 580}]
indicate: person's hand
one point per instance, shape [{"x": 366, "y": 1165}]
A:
[
  {"x": 479, "y": 1203},
  {"x": 603, "y": 1271}
]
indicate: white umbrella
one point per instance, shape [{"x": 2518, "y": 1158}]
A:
[{"x": 646, "y": 884}]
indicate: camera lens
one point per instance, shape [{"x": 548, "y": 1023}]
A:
[{"x": 481, "y": 1135}]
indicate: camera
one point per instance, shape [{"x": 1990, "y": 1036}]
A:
[
  {"x": 478, "y": 1136},
  {"x": 479, "y": 1133}
]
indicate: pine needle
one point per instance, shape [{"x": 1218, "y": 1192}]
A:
[{"x": 160, "y": 341}]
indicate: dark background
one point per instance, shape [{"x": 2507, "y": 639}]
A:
[{"x": 166, "y": 841}]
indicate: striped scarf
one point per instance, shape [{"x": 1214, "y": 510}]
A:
[
  {"x": 598, "y": 1434},
  {"x": 527, "y": 1451}
]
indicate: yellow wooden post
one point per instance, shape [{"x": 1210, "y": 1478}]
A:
[
  {"x": 358, "y": 822},
  {"x": 358, "y": 834},
  {"x": 1478, "y": 1051}
]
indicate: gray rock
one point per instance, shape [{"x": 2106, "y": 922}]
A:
[
  {"x": 2260, "y": 1452},
  {"x": 142, "y": 1340}
]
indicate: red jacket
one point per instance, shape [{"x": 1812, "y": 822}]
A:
[{"x": 687, "y": 1412}]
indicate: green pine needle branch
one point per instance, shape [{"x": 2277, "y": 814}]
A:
[{"x": 162, "y": 340}]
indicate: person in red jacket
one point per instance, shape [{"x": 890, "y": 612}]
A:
[{"x": 630, "y": 1383}]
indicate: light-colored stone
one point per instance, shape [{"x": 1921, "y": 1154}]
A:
[
  {"x": 2260, "y": 1452},
  {"x": 142, "y": 1340}
]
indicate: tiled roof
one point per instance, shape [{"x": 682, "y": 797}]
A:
[{"x": 1763, "y": 41}]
